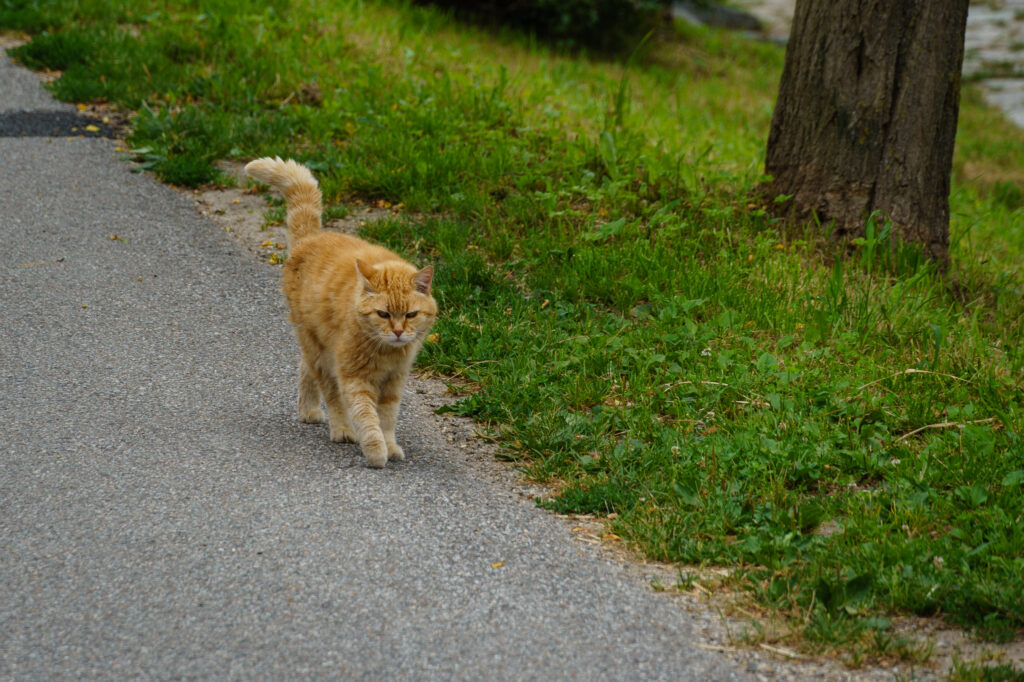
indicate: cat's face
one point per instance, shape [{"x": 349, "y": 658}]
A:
[{"x": 395, "y": 306}]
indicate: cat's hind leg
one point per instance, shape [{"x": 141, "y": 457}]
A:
[
  {"x": 341, "y": 430},
  {"x": 322, "y": 371},
  {"x": 309, "y": 394},
  {"x": 309, "y": 380},
  {"x": 316, "y": 381}
]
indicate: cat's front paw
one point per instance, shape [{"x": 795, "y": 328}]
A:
[
  {"x": 395, "y": 451},
  {"x": 376, "y": 453}
]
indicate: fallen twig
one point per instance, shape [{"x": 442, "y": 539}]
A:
[
  {"x": 909, "y": 370},
  {"x": 471, "y": 365},
  {"x": 700, "y": 587},
  {"x": 715, "y": 647},
  {"x": 782, "y": 652},
  {"x": 946, "y": 425}
]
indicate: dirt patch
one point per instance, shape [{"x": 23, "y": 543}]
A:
[
  {"x": 954, "y": 644},
  {"x": 9, "y": 41},
  {"x": 241, "y": 212}
]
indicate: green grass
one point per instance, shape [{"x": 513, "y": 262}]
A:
[
  {"x": 620, "y": 308},
  {"x": 977, "y": 672}
]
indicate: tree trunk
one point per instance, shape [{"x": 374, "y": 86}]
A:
[{"x": 866, "y": 115}]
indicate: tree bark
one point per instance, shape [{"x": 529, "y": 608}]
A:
[{"x": 866, "y": 115}]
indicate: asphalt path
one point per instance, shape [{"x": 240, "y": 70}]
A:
[{"x": 164, "y": 515}]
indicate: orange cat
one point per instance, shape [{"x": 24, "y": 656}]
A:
[{"x": 360, "y": 312}]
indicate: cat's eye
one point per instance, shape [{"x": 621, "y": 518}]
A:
[
  {"x": 411, "y": 315},
  {"x": 383, "y": 313}
]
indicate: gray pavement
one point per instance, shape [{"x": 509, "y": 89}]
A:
[{"x": 164, "y": 515}]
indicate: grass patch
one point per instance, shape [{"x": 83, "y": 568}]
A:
[
  {"x": 845, "y": 433},
  {"x": 977, "y": 672}
]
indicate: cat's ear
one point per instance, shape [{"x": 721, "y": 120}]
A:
[
  {"x": 364, "y": 272},
  {"x": 423, "y": 279}
]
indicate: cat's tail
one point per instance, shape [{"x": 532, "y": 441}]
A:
[{"x": 300, "y": 189}]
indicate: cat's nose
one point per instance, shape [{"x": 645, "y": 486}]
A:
[{"x": 398, "y": 332}]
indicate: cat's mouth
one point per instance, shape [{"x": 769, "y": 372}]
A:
[{"x": 399, "y": 341}]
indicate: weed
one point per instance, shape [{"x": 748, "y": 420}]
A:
[
  {"x": 967, "y": 671},
  {"x": 275, "y": 215}
]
